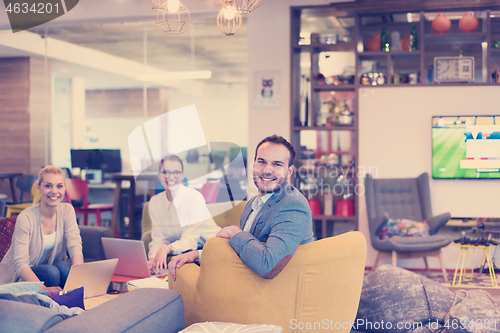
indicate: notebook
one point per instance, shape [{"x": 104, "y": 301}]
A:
[
  {"x": 93, "y": 276},
  {"x": 132, "y": 263}
]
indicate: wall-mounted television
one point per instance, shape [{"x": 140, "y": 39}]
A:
[{"x": 466, "y": 147}]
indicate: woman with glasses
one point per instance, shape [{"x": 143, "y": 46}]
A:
[{"x": 180, "y": 219}]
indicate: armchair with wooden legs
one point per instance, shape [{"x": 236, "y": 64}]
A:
[{"x": 404, "y": 198}]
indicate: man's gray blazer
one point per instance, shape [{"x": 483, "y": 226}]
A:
[{"x": 283, "y": 223}]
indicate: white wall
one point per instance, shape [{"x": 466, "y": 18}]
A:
[
  {"x": 222, "y": 108},
  {"x": 395, "y": 140}
]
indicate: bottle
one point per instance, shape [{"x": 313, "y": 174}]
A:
[
  {"x": 384, "y": 40},
  {"x": 413, "y": 38}
]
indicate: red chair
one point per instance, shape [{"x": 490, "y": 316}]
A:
[
  {"x": 210, "y": 191},
  {"x": 77, "y": 189}
]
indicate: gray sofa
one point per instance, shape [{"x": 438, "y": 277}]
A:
[{"x": 141, "y": 310}]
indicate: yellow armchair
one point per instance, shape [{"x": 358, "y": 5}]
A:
[{"x": 321, "y": 285}]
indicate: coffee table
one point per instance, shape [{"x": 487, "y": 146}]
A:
[{"x": 92, "y": 302}]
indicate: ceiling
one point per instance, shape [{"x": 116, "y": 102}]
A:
[{"x": 202, "y": 47}]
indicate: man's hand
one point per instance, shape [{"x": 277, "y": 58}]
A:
[
  {"x": 48, "y": 289},
  {"x": 180, "y": 260},
  {"x": 228, "y": 232},
  {"x": 159, "y": 262}
]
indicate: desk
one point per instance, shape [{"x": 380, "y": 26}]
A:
[
  {"x": 118, "y": 178},
  {"x": 11, "y": 177}
]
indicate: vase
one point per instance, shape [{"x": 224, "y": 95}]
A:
[
  {"x": 441, "y": 24},
  {"x": 374, "y": 43},
  {"x": 468, "y": 23}
]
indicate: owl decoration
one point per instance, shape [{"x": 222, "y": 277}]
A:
[{"x": 267, "y": 88}]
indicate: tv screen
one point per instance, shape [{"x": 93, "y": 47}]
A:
[{"x": 466, "y": 147}]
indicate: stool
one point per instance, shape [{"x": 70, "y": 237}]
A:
[{"x": 464, "y": 249}]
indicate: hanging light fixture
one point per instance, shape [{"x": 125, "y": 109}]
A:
[
  {"x": 246, "y": 6},
  {"x": 173, "y": 17},
  {"x": 157, "y": 4},
  {"x": 229, "y": 19}
]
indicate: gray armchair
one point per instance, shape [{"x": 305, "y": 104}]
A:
[{"x": 407, "y": 198}]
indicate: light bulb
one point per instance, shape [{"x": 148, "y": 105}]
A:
[
  {"x": 173, "y": 6},
  {"x": 229, "y": 13}
]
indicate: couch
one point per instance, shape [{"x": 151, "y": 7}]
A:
[
  {"x": 141, "y": 310},
  {"x": 321, "y": 283},
  {"x": 224, "y": 214}
]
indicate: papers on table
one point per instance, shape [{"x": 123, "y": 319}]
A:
[{"x": 150, "y": 282}]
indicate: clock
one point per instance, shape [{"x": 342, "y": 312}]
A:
[{"x": 453, "y": 69}]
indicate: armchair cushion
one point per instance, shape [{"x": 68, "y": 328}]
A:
[
  {"x": 404, "y": 228},
  {"x": 413, "y": 244}
]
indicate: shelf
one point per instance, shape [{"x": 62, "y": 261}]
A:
[
  {"x": 337, "y": 47},
  {"x": 324, "y": 128},
  {"x": 447, "y": 84},
  {"x": 332, "y": 87},
  {"x": 454, "y": 37},
  {"x": 383, "y": 53}
]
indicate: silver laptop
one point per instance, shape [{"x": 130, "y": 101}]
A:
[
  {"x": 93, "y": 276},
  {"x": 132, "y": 257}
]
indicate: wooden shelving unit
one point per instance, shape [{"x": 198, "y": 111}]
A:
[{"x": 361, "y": 20}]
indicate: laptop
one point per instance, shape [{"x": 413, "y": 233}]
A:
[
  {"x": 94, "y": 276},
  {"x": 132, "y": 260}
]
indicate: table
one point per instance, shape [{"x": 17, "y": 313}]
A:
[
  {"x": 118, "y": 178},
  {"x": 11, "y": 177},
  {"x": 92, "y": 302},
  {"x": 464, "y": 249}
]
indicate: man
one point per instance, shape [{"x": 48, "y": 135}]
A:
[{"x": 279, "y": 215}]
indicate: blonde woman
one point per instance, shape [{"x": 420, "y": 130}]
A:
[{"x": 43, "y": 236}]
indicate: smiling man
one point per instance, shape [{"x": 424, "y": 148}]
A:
[{"x": 278, "y": 216}]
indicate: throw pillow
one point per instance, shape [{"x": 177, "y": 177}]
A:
[
  {"x": 404, "y": 228},
  {"x": 7, "y": 225},
  {"x": 215, "y": 327},
  {"x": 70, "y": 298}
]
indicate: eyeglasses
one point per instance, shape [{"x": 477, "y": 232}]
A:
[{"x": 168, "y": 173}]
